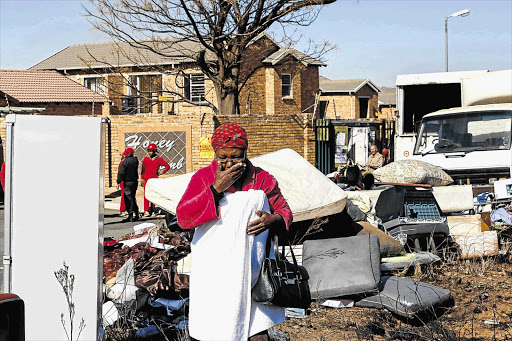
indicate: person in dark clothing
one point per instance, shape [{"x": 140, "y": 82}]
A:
[{"x": 128, "y": 174}]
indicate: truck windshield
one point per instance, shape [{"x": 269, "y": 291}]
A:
[{"x": 464, "y": 132}]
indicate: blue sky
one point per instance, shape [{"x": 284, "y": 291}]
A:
[{"x": 376, "y": 39}]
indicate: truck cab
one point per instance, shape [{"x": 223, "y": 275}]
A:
[{"x": 472, "y": 144}]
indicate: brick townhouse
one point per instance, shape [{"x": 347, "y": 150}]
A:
[
  {"x": 349, "y": 99},
  {"x": 279, "y": 80},
  {"x": 276, "y": 100},
  {"x": 48, "y": 90}
]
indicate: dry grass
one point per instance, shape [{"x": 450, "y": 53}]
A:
[{"x": 482, "y": 289}]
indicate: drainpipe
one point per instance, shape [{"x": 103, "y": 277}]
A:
[
  {"x": 7, "y": 260},
  {"x": 109, "y": 151}
]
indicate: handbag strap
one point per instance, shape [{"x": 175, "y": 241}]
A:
[{"x": 272, "y": 235}]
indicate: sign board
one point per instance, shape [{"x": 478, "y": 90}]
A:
[
  {"x": 173, "y": 145},
  {"x": 340, "y": 154},
  {"x": 205, "y": 148}
]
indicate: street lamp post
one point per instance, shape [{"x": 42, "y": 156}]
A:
[{"x": 462, "y": 13}]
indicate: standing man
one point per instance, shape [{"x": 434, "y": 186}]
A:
[
  {"x": 375, "y": 160},
  {"x": 152, "y": 166},
  {"x": 128, "y": 175}
]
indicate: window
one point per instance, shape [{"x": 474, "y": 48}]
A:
[
  {"x": 363, "y": 107},
  {"x": 193, "y": 87},
  {"x": 95, "y": 84},
  {"x": 465, "y": 132},
  {"x": 286, "y": 85},
  {"x": 145, "y": 90}
]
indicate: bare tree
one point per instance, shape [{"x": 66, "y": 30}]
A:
[{"x": 215, "y": 34}]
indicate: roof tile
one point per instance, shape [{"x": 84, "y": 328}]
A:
[
  {"x": 44, "y": 86},
  {"x": 346, "y": 85}
]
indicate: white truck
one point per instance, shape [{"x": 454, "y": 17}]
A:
[
  {"x": 471, "y": 142},
  {"x": 418, "y": 95}
]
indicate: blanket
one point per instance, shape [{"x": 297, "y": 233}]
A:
[{"x": 226, "y": 262}]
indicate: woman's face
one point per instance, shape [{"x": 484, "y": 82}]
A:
[{"x": 230, "y": 156}]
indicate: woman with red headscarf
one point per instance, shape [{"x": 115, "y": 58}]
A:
[
  {"x": 209, "y": 205},
  {"x": 152, "y": 166}
]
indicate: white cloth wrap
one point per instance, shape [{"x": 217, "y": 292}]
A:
[{"x": 226, "y": 262}]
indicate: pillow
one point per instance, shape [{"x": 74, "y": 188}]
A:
[
  {"x": 342, "y": 266},
  {"x": 407, "y": 260},
  {"x": 414, "y": 172}
]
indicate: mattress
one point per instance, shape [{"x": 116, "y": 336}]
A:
[{"x": 308, "y": 191}]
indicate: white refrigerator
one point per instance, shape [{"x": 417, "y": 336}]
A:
[{"x": 54, "y": 215}]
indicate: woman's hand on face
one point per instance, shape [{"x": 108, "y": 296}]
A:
[
  {"x": 226, "y": 178},
  {"x": 265, "y": 221}
]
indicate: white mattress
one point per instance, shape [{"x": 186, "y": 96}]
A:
[{"x": 309, "y": 193}]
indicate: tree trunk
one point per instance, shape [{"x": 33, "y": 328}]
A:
[{"x": 228, "y": 104}]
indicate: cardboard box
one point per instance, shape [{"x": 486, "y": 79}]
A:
[{"x": 462, "y": 225}]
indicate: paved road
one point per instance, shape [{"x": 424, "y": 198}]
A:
[{"x": 113, "y": 227}]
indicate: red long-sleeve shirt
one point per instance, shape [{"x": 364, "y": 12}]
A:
[
  {"x": 197, "y": 206},
  {"x": 2, "y": 175},
  {"x": 150, "y": 167}
]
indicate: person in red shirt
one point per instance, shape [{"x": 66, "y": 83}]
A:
[
  {"x": 2, "y": 175},
  {"x": 152, "y": 166}
]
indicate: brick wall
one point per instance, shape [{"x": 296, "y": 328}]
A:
[
  {"x": 373, "y": 101},
  {"x": 253, "y": 77},
  {"x": 292, "y": 104},
  {"x": 346, "y": 105},
  {"x": 341, "y": 105},
  {"x": 310, "y": 86},
  {"x": 63, "y": 109},
  {"x": 388, "y": 112},
  {"x": 266, "y": 133},
  {"x": 67, "y": 109}
]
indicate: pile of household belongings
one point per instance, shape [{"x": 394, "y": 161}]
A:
[
  {"x": 344, "y": 258},
  {"x": 144, "y": 292}
]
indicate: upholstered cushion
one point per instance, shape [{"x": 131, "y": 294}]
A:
[
  {"x": 342, "y": 266},
  {"x": 406, "y": 297}
]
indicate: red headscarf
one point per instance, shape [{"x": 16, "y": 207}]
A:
[
  {"x": 128, "y": 151},
  {"x": 229, "y": 135}
]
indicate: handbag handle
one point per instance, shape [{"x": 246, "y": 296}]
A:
[{"x": 276, "y": 251}]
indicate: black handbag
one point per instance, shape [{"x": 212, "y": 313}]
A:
[{"x": 280, "y": 282}]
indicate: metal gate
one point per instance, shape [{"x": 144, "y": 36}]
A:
[
  {"x": 325, "y": 132},
  {"x": 324, "y": 146}
]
